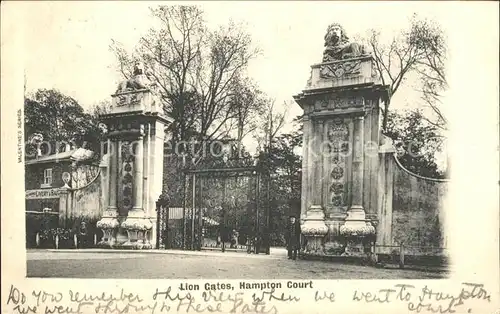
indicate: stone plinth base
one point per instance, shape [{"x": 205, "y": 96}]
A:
[
  {"x": 357, "y": 246},
  {"x": 358, "y": 233},
  {"x": 137, "y": 240},
  {"x": 335, "y": 247},
  {"x": 314, "y": 230},
  {"x": 137, "y": 228},
  {"x": 109, "y": 226},
  {"x": 366, "y": 259},
  {"x": 356, "y": 250},
  {"x": 314, "y": 245},
  {"x": 134, "y": 232}
]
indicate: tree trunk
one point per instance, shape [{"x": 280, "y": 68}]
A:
[{"x": 386, "y": 115}]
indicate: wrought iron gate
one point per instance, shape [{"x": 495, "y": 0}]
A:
[
  {"x": 162, "y": 220},
  {"x": 225, "y": 209}
]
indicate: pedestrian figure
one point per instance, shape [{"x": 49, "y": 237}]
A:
[
  {"x": 292, "y": 238},
  {"x": 82, "y": 235},
  {"x": 219, "y": 240},
  {"x": 234, "y": 239}
]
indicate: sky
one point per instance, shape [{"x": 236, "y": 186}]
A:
[{"x": 67, "y": 43}]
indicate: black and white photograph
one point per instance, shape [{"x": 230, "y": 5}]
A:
[{"x": 269, "y": 145}]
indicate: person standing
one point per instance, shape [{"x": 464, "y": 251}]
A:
[
  {"x": 293, "y": 238},
  {"x": 234, "y": 239},
  {"x": 83, "y": 236}
]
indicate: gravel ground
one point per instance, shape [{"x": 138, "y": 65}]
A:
[{"x": 201, "y": 265}]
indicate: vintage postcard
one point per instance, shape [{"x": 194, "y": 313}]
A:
[{"x": 250, "y": 157}]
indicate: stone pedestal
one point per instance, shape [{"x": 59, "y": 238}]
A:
[
  {"x": 341, "y": 104},
  {"x": 357, "y": 232},
  {"x": 109, "y": 225},
  {"x": 135, "y": 131},
  {"x": 138, "y": 228},
  {"x": 314, "y": 230}
]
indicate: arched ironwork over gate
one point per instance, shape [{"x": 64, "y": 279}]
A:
[{"x": 225, "y": 208}]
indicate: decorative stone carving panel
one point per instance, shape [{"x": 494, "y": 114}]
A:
[
  {"x": 338, "y": 134},
  {"x": 348, "y": 102},
  {"x": 323, "y": 103},
  {"x": 343, "y": 69},
  {"x": 127, "y": 175},
  {"x": 339, "y": 102},
  {"x": 128, "y": 99}
]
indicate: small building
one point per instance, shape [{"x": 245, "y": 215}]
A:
[{"x": 59, "y": 188}]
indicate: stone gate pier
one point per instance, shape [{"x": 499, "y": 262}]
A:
[
  {"x": 341, "y": 149},
  {"x": 133, "y": 164}
]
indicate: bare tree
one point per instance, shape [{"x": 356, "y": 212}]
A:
[
  {"x": 271, "y": 122},
  {"x": 230, "y": 51},
  {"x": 195, "y": 68},
  {"x": 432, "y": 70},
  {"x": 170, "y": 54},
  {"x": 422, "y": 50},
  {"x": 249, "y": 103}
]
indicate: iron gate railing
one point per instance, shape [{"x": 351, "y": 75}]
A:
[
  {"x": 219, "y": 227},
  {"x": 162, "y": 219}
]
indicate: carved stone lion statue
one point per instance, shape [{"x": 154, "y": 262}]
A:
[
  {"x": 337, "y": 45},
  {"x": 138, "y": 81}
]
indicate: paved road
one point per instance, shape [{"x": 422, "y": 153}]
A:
[{"x": 200, "y": 265}]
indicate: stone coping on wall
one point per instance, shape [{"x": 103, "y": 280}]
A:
[{"x": 400, "y": 166}]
